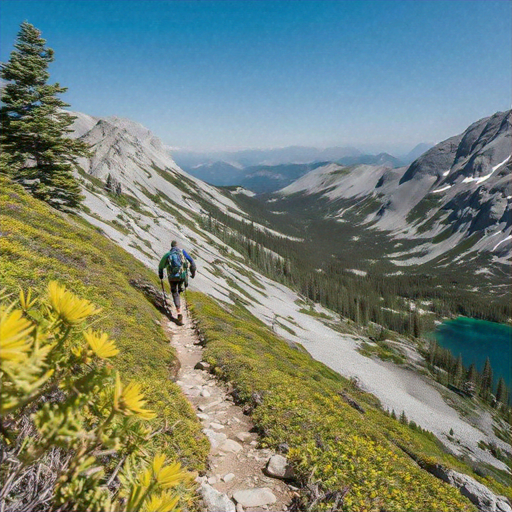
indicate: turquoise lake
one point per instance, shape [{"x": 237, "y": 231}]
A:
[{"x": 476, "y": 340}]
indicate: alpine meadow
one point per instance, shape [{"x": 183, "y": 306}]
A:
[{"x": 291, "y": 291}]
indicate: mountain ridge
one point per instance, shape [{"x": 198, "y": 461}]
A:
[{"x": 462, "y": 181}]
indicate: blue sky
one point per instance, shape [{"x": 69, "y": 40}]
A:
[{"x": 378, "y": 75}]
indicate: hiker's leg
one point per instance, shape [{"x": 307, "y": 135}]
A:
[{"x": 175, "y": 295}]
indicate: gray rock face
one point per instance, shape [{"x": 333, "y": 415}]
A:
[
  {"x": 461, "y": 187},
  {"x": 435, "y": 161},
  {"x": 216, "y": 501},
  {"x": 257, "y": 497},
  {"x": 277, "y": 467},
  {"x": 477, "y": 493}
]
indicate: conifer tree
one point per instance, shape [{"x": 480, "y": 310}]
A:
[
  {"x": 458, "y": 371},
  {"x": 108, "y": 186},
  {"x": 502, "y": 391},
  {"x": 35, "y": 148},
  {"x": 487, "y": 377}
]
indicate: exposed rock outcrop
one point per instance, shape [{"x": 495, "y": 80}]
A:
[{"x": 477, "y": 493}]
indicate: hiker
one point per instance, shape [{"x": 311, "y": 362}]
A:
[{"x": 177, "y": 262}]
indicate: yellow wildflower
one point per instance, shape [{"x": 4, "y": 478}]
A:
[
  {"x": 26, "y": 301},
  {"x": 168, "y": 476},
  {"x": 164, "y": 502},
  {"x": 71, "y": 309},
  {"x": 14, "y": 331},
  {"x": 130, "y": 400},
  {"x": 100, "y": 344}
]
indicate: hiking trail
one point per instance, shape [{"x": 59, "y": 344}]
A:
[{"x": 235, "y": 479}]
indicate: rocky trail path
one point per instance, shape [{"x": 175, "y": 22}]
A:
[{"x": 238, "y": 478}]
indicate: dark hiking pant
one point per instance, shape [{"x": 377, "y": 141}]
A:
[{"x": 176, "y": 289}]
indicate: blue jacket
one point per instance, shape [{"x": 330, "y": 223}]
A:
[{"x": 165, "y": 261}]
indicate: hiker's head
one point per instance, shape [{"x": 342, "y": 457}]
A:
[{"x": 174, "y": 243}]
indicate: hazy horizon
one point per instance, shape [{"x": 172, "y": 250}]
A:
[{"x": 215, "y": 75}]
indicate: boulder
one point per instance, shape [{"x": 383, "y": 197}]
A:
[
  {"x": 215, "y": 500},
  {"x": 202, "y": 365},
  {"x": 278, "y": 467},
  {"x": 258, "y": 497}
]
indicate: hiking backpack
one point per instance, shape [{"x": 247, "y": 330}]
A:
[{"x": 177, "y": 264}]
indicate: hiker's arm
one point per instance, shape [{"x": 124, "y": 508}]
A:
[
  {"x": 193, "y": 267},
  {"x": 163, "y": 263}
]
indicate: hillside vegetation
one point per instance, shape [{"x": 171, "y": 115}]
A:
[
  {"x": 335, "y": 449},
  {"x": 39, "y": 245}
]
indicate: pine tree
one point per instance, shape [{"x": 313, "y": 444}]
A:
[
  {"x": 487, "y": 377},
  {"x": 108, "y": 185},
  {"x": 472, "y": 377},
  {"x": 458, "y": 371},
  {"x": 502, "y": 391},
  {"x": 416, "y": 325},
  {"x": 35, "y": 148}
]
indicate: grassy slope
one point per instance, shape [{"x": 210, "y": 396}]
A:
[
  {"x": 39, "y": 244},
  {"x": 300, "y": 401},
  {"x": 300, "y": 405}
]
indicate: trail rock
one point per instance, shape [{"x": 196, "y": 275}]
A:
[
  {"x": 227, "y": 478},
  {"x": 202, "y": 365},
  {"x": 257, "y": 497},
  {"x": 205, "y": 393},
  {"x": 231, "y": 446},
  {"x": 215, "y": 500},
  {"x": 243, "y": 436},
  {"x": 216, "y": 426},
  {"x": 476, "y": 492},
  {"x": 216, "y": 438},
  {"x": 239, "y": 508},
  {"x": 277, "y": 467}
]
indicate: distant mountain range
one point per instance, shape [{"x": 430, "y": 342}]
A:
[
  {"x": 275, "y": 168},
  {"x": 263, "y": 157}
]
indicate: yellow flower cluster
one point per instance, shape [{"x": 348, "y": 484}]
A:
[
  {"x": 100, "y": 344},
  {"x": 158, "y": 479},
  {"x": 130, "y": 401},
  {"x": 43, "y": 349},
  {"x": 70, "y": 309},
  {"x": 15, "y": 342}
]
